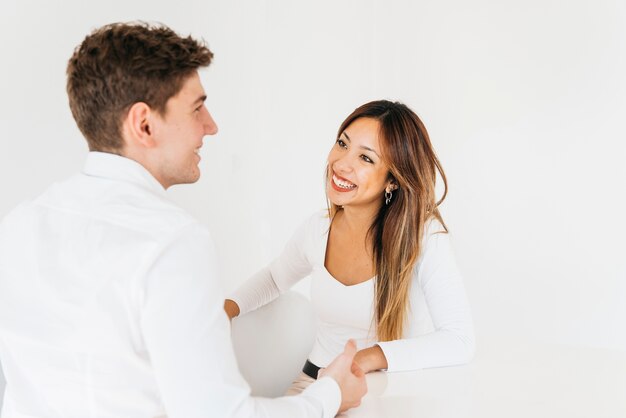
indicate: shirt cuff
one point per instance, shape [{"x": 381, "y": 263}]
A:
[
  {"x": 327, "y": 392},
  {"x": 390, "y": 354}
]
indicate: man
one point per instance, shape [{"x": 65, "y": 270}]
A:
[{"x": 109, "y": 301}]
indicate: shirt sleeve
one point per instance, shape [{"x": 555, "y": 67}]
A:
[
  {"x": 452, "y": 341},
  {"x": 270, "y": 282},
  {"x": 187, "y": 337}
]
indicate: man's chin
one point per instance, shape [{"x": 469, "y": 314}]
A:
[
  {"x": 190, "y": 179},
  {"x": 193, "y": 178}
]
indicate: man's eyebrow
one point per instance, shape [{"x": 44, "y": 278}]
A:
[
  {"x": 362, "y": 146},
  {"x": 199, "y": 100}
]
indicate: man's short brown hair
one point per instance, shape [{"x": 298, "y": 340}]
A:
[{"x": 121, "y": 64}]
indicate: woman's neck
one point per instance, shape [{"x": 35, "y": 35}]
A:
[{"x": 357, "y": 220}]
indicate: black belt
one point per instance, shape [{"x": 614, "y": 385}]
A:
[{"x": 310, "y": 370}]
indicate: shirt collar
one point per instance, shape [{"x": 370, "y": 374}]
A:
[{"x": 116, "y": 167}]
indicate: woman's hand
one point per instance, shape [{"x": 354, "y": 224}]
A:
[
  {"x": 370, "y": 359},
  {"x": 231, "y": 308}
]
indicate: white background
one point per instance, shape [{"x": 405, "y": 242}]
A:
[{"x": 525, "y": 102}]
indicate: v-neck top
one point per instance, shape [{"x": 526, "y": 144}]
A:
[{"x": 439, "y": 331}]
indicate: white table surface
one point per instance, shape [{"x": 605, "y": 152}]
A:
[{"x": 506, "y": 379}]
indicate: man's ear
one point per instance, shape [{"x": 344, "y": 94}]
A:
[{"x": 139, "y": 125}]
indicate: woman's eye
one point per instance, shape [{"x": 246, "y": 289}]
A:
[
  {"x": 367, "y": 159},
  {"x": 341, "y": 143}
]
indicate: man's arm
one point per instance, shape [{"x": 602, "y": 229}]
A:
[{"x": 187, "y": 336}]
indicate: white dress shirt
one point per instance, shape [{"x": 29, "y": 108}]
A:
[
  {"x": 110, "y": 307},
  {"x": 439, "y": 330}
]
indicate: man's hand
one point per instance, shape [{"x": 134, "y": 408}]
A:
[
  {"x": 231, "y": 308},
  {"x": 349, "y": 376}
]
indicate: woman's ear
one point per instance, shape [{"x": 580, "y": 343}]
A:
[
  {"x": 138, "y": 125},
  {"x": 391, "y": 186}
]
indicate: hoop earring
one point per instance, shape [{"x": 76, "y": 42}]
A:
[{"x": 388, "y": 196}]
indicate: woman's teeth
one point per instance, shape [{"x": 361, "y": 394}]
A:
[{"x": 344, "y": 184}]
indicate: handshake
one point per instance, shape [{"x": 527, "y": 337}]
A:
[{"x": 349, "y": 375}]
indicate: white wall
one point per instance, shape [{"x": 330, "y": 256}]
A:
[{"x": 524, "y": 102}]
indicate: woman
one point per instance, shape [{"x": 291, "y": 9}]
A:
[{"x": 380, "y": 260}]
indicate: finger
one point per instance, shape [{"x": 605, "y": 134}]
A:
[
  {"x": 350, "y": 348},
  {"x": 357, "y": 370}
]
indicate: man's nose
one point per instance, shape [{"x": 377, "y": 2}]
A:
[{"x": 210, "y": 127}]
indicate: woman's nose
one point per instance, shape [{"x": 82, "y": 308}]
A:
[{"x": 343, "y": 165}]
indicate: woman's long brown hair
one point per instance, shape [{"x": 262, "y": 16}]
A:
[{"x": 398, "y": 228}]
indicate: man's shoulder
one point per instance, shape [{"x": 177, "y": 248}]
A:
[
  {"x": 144, "y": 210},
  {"x": 122, "y": 204}
]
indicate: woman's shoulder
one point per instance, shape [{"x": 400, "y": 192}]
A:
[
  {"x": 311, "y": 234},
  {"x": 435, "y": 241},
  {"x": 434, "y": 226},
  {"x": 314, "y": 226},
  {"x": 318, "y": 223},
  {"x": 436, "y": 260}
]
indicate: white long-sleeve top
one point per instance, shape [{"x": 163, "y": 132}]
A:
[
  {"x": 110, "y": 307},
  {"x": 439, "y": 330}
]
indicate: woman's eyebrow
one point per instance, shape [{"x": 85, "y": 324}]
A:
[
  {"x": 362, "y": 146},
  {"x": 370, "y": 149}
]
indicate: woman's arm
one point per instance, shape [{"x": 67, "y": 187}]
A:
[
  {"x": 258, "y": 290},
  {"x": 452, "y": 341},
  {"x": 275, "y": 279},
  {"x": 370, "y": 359}
]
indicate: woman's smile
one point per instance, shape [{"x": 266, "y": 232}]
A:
[{"x": 341, "y": 184}]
